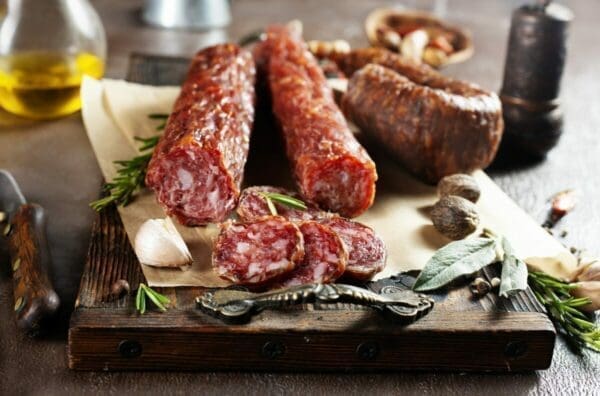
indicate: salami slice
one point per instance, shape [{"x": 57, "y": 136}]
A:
[
  {"x": 258, "y": 252},
  {"x": 366, "y": 251},
  {"x": 325, "y": 256},
  {"x": 197, "y": 167},
  {"x": 253, "y": 205},
  {"x": 331, "y": 168}
]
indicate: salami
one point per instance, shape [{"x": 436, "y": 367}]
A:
[
  {"x": 331, "y": 168},
  {"x": 434, "y": 125},
  {"x": 366, "y": 251},
  {"x": 325, "y": 256},
  {"x": 198, "y": 164},
  {"x": 253, "y": 205},
  {"x": 259, "y": 252}
]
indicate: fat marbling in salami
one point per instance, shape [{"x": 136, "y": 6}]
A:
[
  {"x": 325, "y": 256},
  {"x": 259, "y": 252}
]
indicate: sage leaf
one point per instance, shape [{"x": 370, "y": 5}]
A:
[
  {"x": 514, "y": 272},
  {"x": 454, "y": 260}
]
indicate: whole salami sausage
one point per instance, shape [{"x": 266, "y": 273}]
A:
[
  {"x": 434, "y": 125},
  {"x": 198, "y": 164},
  {"x": 331, "y": 168},
  {"x": 366, "y": 250},
  {"x": 259, "y": 252},
  {"x": 325, "y": 256}
]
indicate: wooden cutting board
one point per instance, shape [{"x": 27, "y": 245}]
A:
[{"x": 461, "y": 333}]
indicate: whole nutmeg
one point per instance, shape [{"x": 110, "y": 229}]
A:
[
  {"x": 454, "y": 217},
  {"x": 461, "y": 185}
]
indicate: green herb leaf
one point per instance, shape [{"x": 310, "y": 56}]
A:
[
  {"x": 160, "y": 297},
  {"x": 270, "y": 204},
  {"x": 454, "y": 260},
  {"x": 153, "y": 298},
  {"x": 138, "y": 299},
  {"x": 514, "y": 272},
  {"x": 143, "y": 303},
  {"x": 286, "y": 200},
  {"x": 130, "y": 177},
  {"x": 562, "y": 308},
  {"x": 251, "y": 38}
]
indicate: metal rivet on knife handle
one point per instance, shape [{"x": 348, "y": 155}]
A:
[
  {"x": 367, "y": 351},
  {"x": 16, "y": 264}
]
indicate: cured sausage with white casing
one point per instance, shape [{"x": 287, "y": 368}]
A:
[{"x": 197, "y": 167}]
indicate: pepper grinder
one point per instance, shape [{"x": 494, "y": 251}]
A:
[{"x": 534, "y": 65}]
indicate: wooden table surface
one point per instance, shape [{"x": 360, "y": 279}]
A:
[{"x": 54, "y": 165}]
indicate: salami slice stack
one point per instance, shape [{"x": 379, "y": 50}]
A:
[
  {"x": 198, "y": 164},
  {"x": 331, "y": 168}
]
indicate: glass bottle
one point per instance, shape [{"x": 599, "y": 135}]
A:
[{"x": 46, "y": 46}]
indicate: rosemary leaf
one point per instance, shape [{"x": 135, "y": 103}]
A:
[
  {"x": 270, "y": 204},
  {"x": 130, "y": 177},
  {"x": 138, "y": 299},
  {"x": 251, "y": 38},
  {"x": 153, "y": 298},
  {"x": 286, "y": 200},
  {"x": 143, "y": 303},
  {"x": 160, "y": 297},
  {"x": 573, "y": 324}
]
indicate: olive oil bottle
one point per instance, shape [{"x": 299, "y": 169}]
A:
[
  {"x": 43, "y": 85},
  {"x": 46, "y": 47}
]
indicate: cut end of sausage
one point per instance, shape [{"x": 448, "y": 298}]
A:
[
  {"x": 343, "y": 185},
  {"x": 193, "y": 185},
  {"x": 257, "y": 252},
  {"x": 366, "y": 251},
  {"x": 325, "y": 256}
]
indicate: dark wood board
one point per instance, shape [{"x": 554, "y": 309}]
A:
[{"x": 461, "y": 333}]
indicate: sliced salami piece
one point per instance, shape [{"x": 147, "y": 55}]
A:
[
  {"x": 197, "y": 167},
  {"x": 366, "y": 251},
  {"x": 325, "y": 256},
  {"x": 253, "y": 204},
  {"x": 331, "y": 168},
  {"x": 258, "y": 252}
]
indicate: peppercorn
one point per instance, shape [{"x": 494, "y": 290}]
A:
[
  {"x": 480, "y": 287},
  {"x": 461, "y": 185},
  {"x": 454, "y": 217}
]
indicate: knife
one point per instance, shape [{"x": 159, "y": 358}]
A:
[{"x": 23, "y": 228}]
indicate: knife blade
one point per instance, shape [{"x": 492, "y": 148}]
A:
[{"x": 23, "y": 229}]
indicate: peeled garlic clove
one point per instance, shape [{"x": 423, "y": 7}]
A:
[
  {"x": 413, "y": 44},
  {"x": 159, "y": 244},
  {"x": 590, "y": 290}
]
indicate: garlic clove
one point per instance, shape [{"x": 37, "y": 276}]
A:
[
  {"x": 586, "y": 272},
  {"x": 159, "y": 244}
]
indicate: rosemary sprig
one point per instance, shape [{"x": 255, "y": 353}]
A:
[
  {"x": 130, "y": 173},
  {"x": 564, "y": 311},
  {"x": 156, "y": 298},
  {"x": 271, "y": 197}
]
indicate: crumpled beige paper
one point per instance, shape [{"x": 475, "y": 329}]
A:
[{"x": 115, "y": 111}]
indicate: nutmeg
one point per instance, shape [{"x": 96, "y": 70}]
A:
[
  {"x": 461, "y": 185},
  {"x": 455, "y": 217}
]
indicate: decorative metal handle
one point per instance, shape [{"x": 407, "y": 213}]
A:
[{"x": 237, "y": 306}]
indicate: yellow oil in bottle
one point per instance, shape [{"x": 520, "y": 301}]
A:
[{"x": 43, "y": 85}]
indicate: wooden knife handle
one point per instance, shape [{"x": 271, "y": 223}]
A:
[{"x": 35, "y": 299}]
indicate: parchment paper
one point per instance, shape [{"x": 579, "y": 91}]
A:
[{"x": 116, "y": 111}]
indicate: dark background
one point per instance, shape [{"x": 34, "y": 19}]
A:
[{"x": 54, "y": 165}]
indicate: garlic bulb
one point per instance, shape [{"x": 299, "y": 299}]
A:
[{"x": 159, "y": 244}]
